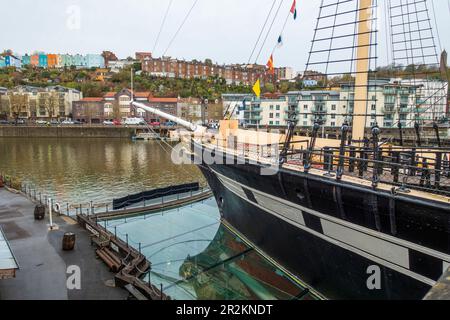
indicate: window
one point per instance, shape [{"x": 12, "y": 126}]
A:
[
  {"x": 305, "y": 116},
  {"x": 333, "y": 116},
  {"x": 278, "y": 123},
  {"x": 374, "y": 107},
  {"x": 333, "y": 124},
  {"x": 305, "y": 107},
  {"x": 333, "y": 107},
  {"x": 271, "y": 123},
  {"x": 278, "y": 108},
  {"x": 271, "y": 116},
  {"x": 271, "y": 107},
  {"x": 373, "y": 117},
  {"x": 305, "y": 123},
  {"x": 278, "y": 116}
]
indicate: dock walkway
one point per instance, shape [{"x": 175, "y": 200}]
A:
[{"x": 43, "y": 264}]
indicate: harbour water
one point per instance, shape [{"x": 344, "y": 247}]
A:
[
  {"x": 193, "y": 255},
  {"x": 99, "y": 170}
]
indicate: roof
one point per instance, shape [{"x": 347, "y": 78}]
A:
[
  {"x": 110, "y": 95},
  {"x": 91, "y": 100},
  {"x": 142, "y": 94},
  {"x": 7, "y": 260},
  {"x": 163, "y": 100}
]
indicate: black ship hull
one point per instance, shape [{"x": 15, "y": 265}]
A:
[{"x": 338, "y": 238}]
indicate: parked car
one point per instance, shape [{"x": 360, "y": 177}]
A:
[
  {"x": 42, "y": 122},
  {"x": 117, "y": 123},
  {"x": 55, "y": 123},
  {"x": 155, "y": 124},
  {"x": 4, "y": 122},
  {"x": 134, "y": 122},
  {"x": 170, "y": 124},
  {"x": 108, "y": 123}
]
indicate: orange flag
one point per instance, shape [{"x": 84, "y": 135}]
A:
[{"x": 270, "y": 65}]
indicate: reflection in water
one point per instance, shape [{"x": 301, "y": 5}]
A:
[
  {"x": 99, "y": 170},
  {"x": 195, "y": 257}
]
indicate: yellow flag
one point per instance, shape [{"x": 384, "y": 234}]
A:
[{"x": 257, "y": 88}]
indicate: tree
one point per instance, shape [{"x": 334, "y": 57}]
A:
[
  {"x": 17, "y": 103},
  {"x": 50, "y": 101},
  {"x": 116, "y": 110}
]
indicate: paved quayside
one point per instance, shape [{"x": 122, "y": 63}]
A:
[{"x": 43, "y": 263}]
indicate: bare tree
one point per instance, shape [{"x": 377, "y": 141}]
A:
[
  {"x": 51, "y": 104},
  {"x": 18, "y": 103},
  {"x": 116, "y": 110}
]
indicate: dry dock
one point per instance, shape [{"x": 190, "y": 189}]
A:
[{"x": 43, "y": 264}]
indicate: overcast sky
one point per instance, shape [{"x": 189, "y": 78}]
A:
[{"x": 223, "y": 30}]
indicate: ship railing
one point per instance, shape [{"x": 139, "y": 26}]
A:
[
  {"x": 421, "y": 169},
  {"x": 264, "y": 153}
]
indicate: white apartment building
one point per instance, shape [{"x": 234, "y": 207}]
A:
[
  {"x": 40, "y": 103},
  {"x": 236, "y": 104},
  {"x": 431, "y": 97}
]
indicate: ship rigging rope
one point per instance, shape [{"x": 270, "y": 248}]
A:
[
  {"x": 436, "y": 25},
  {"x": 162, "y": 25},
  {"x": 262, "y": 30},
  {"x": 268, "y": 31},
  {"x": 180, "y": 27}
]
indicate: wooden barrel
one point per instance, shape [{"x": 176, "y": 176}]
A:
[
  {"x": 39, "y": 212},
  {"x": 69, "y": 241}
]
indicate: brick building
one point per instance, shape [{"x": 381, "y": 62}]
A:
[
  {"x": 116, "y": 106},
  {"x": 233, "y": 74}
]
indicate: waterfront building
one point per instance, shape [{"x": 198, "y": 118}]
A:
[
  {"x": 117, "y": 106},
  {"x": 431, "y": 99},
  {"x": 35, "y": 103},
  {"x": 319, "y": 105},
  {"x": 234, "y": 105},
  {"x": 267, "y": 111},
  {"x": 190, "y": 109}
]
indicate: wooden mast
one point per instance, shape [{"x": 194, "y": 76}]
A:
[{"x": 362, "y": 68}]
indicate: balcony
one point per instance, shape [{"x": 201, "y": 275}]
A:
[
  {"x": 256, "y": 118},
  {"x": 389, "y": 109}
]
